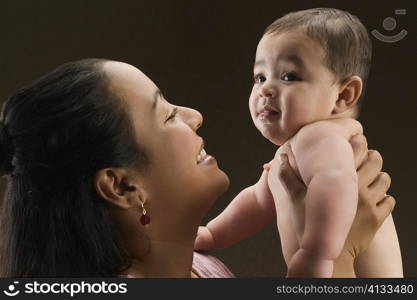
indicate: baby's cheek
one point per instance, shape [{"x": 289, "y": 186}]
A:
[
  {"x": 252, "y": 101},
  {"x": 252, "y": 108},
  {"x": 295, "y": 115}
]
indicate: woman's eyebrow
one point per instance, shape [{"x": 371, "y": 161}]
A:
[{"x": 156, "y": 97}]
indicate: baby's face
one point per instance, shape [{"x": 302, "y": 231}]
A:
[{"x": 292, "y": 86}]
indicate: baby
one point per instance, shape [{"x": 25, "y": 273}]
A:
[{"x": 309, "y": 71}]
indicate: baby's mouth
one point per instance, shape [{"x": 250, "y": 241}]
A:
[{"x": 268, "y": 114}]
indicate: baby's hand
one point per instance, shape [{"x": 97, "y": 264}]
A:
[{"x": 204, "y": 239}]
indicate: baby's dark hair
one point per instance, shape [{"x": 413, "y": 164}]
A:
[{"x": 344, "y": 38}]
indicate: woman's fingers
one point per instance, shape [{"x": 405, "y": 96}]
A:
[
  {"x": 380, "y": 186},
  {"x": 370, "y": 168},
  {"x": 267, "y": 166},
  {"x": 292, "y": 184},
  {"x": 385, "y": 207},
  {"x": 359, "y": 147}
]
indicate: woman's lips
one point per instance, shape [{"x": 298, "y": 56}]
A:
[
  {"x": 201, "y": 155},
  {"x": 207, "y": 160},
  {"x": 204, "y": 158}
]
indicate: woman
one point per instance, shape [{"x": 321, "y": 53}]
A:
[{"x": 105, "y": 177}]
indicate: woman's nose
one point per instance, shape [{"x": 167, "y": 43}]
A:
[
  {"x": 192, "y": 117},
  {"x": 268, "y": 90}
]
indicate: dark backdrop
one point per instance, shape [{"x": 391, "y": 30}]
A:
[{"x": 201, "y": 53}]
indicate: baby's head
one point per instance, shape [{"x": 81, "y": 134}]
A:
[{"x": 310, "y": 65}]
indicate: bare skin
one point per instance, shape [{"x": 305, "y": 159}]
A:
[
  {"x": 371, "y": 212},
  {"x": 164, "y": 248},
  {"x": 297, "y": 103},
  {"x": 373, "y": 206}
]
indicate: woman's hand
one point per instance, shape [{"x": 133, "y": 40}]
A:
[{"x": 373, "y": 205}]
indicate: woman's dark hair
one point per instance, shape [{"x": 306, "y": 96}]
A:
[{"x": 55, "y": 134}]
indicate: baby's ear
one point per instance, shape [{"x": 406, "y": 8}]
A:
[{"x": 349, "y": 93}]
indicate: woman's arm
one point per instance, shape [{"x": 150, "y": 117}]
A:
[{"x": 373, "y": 206}]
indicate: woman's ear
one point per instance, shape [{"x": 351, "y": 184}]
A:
[
  {"x": 113, "y": 186},
  {"x": 349, "y": 93}
]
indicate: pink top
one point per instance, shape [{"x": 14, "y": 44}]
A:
[
  {"x": 208, "y": 266},
  {"x": 205, "y": 266}
]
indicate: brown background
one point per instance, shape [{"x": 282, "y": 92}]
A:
[{"x": 201, "y": 53}]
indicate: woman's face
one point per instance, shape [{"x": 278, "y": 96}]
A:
[{"x": 180, "y": 180}]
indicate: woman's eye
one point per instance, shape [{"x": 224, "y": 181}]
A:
[
  {"x": 290, "y": 77},
  {"x": 259, "y": 78},
  {"x": 172, "y": 115}
]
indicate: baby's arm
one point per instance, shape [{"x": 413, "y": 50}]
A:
[
  {"x": 326, "y": 164},
  {"x": 250, "y": 211}
]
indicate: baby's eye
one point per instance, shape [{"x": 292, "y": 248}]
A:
[
  {"x": 258, "y": 78},
  {"x": 290, "y": 76}
]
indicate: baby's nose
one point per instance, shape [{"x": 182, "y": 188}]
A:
[{"x": 268, "y": 90}]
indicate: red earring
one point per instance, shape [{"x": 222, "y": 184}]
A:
[{"x": 144, "y": 219}]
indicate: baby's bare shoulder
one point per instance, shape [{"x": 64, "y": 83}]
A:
[{"x": 345, "y": 127}]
